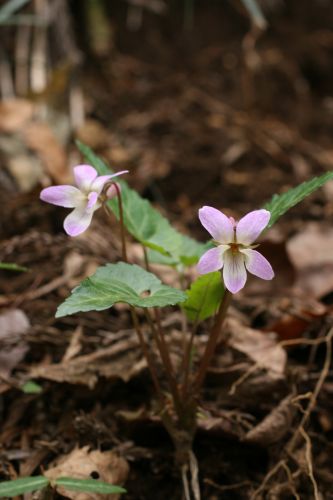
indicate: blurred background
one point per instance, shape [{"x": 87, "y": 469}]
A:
[
  {"x": 199, "y": 99},
  {"x": 205, "y": 102},
  {"x": 216, "y": 102}
]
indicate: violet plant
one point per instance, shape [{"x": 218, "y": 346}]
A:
[{"x": 233, "y": 251}]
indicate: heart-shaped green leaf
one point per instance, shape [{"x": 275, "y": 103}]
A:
[
  {"x": 204, "y": 297},
  {"x": 119, "y": 282}
]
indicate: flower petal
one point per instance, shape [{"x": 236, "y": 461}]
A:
[
  {"x": 217, "y": 224},
  {"x": 78, "y": 221},
  {"x": 63, "y": 196},
  {"x": 84, "y": 176},
  {"x": 251, "y": 225},
  {"x": 100, "y": 181},
  {"x": 257, "y": 264},
  {"x": 234, "y": 272},
  {"x": 92, "y": 200},
  {"x": 212, "y": 260}
]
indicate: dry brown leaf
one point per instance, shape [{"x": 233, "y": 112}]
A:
[
  {"x": 39, "y": 137},
  {"x": 122, "y": 360},
  {"x": 14, "y": 324},
  {"x": 26, "y": 171},
  {"x": 260, "y": 347},
  {"x": 230, "y": 423},
  {"x": 311, "y": 247},
  {"x": 14, "y": 114},
  {"x": 311, "y": 253},
  {"x": 84, "y": 464},
  {"x": 93, "y": 134},
  {"x": 274, "y": 426},
  {"x": 291, "y": 317}
]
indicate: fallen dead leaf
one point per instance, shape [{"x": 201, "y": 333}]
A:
[
  {"x": 122, "y": 360},
  {"x": 311, "y": 253},
  {"x": 84, "y": 464},
  {"x": 14, "y": 114},
  {"x": 274, "y": 426},
  {"x": 14, "y": 324},
  {"x": 230, "y": 423},
  {"x": 26, "y": 171},
  {"x": 93, "y": 134},
  {"x": 261, "y": 348},
  {"x": 39, "y": 137},
  {"x": 292, "y": 316}
]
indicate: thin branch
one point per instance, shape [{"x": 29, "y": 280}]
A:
[{"x": 166, "y": 361}]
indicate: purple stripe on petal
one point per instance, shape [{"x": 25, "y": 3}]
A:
[
  {"x": 251, "y": 225},
  {"x": 234, "y": 272},
  {"x": 217, "y": 224},
  {"x": 211, "y": 261},
  {"x": 62, "y": 196},
  {"x": 84, "y": 176},
  {"x": 257, "y": 264},
  {"x": 77, "y": 221}
]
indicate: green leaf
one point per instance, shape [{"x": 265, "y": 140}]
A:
[
  {"x": 255, "y": 12},
  {"x": 145, "y": 223},
  {"x": 119, "y": 282},
  {"x": 10, "y": 7},
  {"x": 168, "y": 260},
  {"x": 204, "y": 297},
  {"x": 22, "y": 485},
  {"x": 88, "y": 485},
  {"x": 281, "y": 203},
  {"x": 8, "y": 266},
  {"x": 31, "y": 387}
]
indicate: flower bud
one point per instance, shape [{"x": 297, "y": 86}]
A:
[{"x": 112, "y": 191}]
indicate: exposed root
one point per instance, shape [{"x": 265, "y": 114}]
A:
[
  {"x": 267, "y": 478},
  {"x": 300, "y": 432},
  {"x": 186, "y": 486},
  {"x": 192, "y": 468},
  {"x": 291, "y": 481},
  {"x": 308, "y": 456},
  {"x": 313, "y": 399}
]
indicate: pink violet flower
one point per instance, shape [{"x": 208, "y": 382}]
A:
[
  {"x": 234, "y": 252},
  {"x": 85, "y": 198}
]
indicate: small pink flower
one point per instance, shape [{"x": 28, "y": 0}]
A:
[
  {"x": 85, "y": 198},
  {"x": 234, "y": 252}
]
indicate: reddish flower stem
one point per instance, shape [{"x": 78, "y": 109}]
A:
[
  {"x": 212, "y": 342},
  {"x": 134, "y": 315},
  {"x": 121, "y": 221},
  {"x": 163, "y": 348}
]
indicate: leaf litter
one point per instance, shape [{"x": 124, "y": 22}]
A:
[{"x": 170, "y": 125}]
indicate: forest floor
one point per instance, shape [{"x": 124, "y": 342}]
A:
[{"x": 209, "y": 114}]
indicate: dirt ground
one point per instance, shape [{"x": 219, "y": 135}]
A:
[{"x": 202, "y": 110}]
